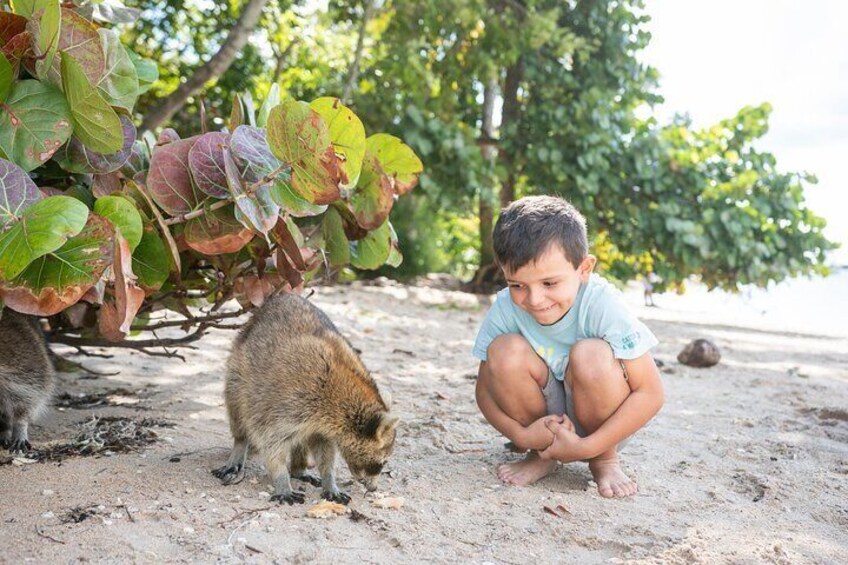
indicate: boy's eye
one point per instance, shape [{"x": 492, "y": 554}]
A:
[{"x": 550, "y": 284}]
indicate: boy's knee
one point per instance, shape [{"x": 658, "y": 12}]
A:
[
  {"x": 511, "y": 355},
  {"x": 589, "y": 359},
  {"x": 506, "y": 352}
]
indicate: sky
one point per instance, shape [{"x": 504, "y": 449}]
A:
[{"x": 714, "y": 57}]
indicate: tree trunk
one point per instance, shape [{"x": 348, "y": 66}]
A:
[
  {"x": 281, "y": 58},
  {"x": 511, "y": 115},
  {"x": 353, "y": 71},
  {"x": 215, "y": 67},
  {"x": 488, "y": 271}
]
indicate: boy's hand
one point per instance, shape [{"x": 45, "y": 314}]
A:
[
  {"x": 567, "y": 445},
  {"x": 539, "y": 435}
]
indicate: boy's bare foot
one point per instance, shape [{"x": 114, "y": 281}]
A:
[
  {"x": 612, "y": 482},
  {"x": 526, "y": 472}
]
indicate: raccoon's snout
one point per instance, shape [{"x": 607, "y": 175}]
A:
[{"x": 370, "y": 483}]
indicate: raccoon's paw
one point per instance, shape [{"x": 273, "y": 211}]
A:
[
  {"x": 19, "y": 446},
  {"x": 336, "y": 496},
  {"x": 229, "y": 474},
  {"x": 290, "y": 498},
  {"x": 307, "y": 478}
]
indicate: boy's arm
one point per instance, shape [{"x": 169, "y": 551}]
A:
[
  {"x": 535, "y": 436},
  {"x": 644, "y": 401}
]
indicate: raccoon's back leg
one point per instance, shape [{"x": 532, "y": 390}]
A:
[
  {"x": 325, "y": 451},
  {"x": 298, "y": 465}
]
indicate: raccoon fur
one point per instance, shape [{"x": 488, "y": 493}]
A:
[
  {"x": 294, "y": 385},
  {"x": 26, "y": 377}
]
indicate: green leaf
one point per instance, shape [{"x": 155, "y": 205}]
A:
[
  {"x": 34, "y": 124},
  {"x": 45, "y": 24},
  {"x": 397, "y": 159},
  {"x": 299, "y": 136},
  {"x": 58, "y": 279},
  {"x": 23, "y": 7},
  {"x": 150, "y": 260},
  {"x": 95, "y": 122},
  {"x": 271, "y": 100},
  {"x": 123, "y": 215},
  {"x": 7, "y": 77},
  {"x": 119, "y": 83},
  {"x": 347, "y": 134},
  {"x": 373, "y": 198},
  {"x": 17, "y": 193},
  {"x": 44, "y": 227},
  {"x": 373, "y": 250},
  {"x": 146, "y": 70},
  {"x": 335, "y": 240}
]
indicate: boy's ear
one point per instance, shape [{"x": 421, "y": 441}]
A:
[{"x": 586, "y": 267}]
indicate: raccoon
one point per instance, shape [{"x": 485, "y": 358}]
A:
[
  {"x": 26, "y": 377},
  {"x": 295, "y": 385}
]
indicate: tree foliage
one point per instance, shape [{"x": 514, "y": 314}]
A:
[
  {"x": 574, "y": 95},
  {"x": 99, "y": 228}
]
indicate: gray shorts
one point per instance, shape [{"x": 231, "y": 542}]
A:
[{"x": 559, "y": 400}]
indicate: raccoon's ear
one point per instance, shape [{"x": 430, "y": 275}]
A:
[{"x": 388, "y": 423}]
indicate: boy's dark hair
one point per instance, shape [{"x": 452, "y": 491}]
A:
[{"x": 528, "y": 226}]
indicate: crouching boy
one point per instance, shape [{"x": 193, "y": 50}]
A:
[{"x": 566, "y": 370}]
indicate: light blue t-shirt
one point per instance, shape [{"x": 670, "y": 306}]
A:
[{"x": 598, "y": 312}]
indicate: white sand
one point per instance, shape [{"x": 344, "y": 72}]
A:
[{"x": 747, "y": 462}]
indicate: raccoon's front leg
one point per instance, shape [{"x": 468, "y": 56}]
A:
[
  {"x": 19, "y": 441},
  {"x": 298, "y": 464},
  {"x": 325, "y": 451},
  {"x": 233, "y": 470},
  {"x": 278, "y": 466}
]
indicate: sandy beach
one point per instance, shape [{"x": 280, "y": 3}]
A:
[{"x": 746, "y": 463}]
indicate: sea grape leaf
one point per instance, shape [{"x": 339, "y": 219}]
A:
[
  {"x": 95, "y": 122},
  {"x": 206, "y": 163},
  {"x": 373, "y": 198},
  {"x": 146, "y": 70},
  {"x": 60, "y": 278},
  {"x": 335, "y": 240},
  {"x": 150, "y": 260},
  {"x": 372, "y": 251},
  {"x": 123, "y": 215},
  {"x": 217, "y": 232},
  {"x": 16, "y": 49},
  {"x": 110, "y": 12},
  {"x": 299, "y": 136},
  {"x": 78, "y": 38},
  {"x": 34, "y": 124},
  {"x": 257, "y": 210},
  {"x": 249, "y": 147},
  {"x": 42, "y": 228},
  {"x": 169, "y": 178},
  {"x": 117, "y": 314},
  {"x": 395, "y": 257},
  {"x": 10, "y": 26},
  {"x": 271, "y": 100},
  {"x": 7, "y": 77},
  {"x": 17, "y": 193},
  {"x": 119, "y": 82},
  {"x": 347, "y": 135},
  {"x": 44, "y": 25},
  {"x": 397, "y": 159},
  {"x": 75, "y": 157}
]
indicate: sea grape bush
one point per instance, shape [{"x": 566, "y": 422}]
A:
[{"x": 100, "y": 226}]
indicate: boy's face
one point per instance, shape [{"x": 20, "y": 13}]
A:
[{"x": 546, "y": 288}]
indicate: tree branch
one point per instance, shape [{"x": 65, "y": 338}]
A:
[{"x": 215, "y": 67}]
